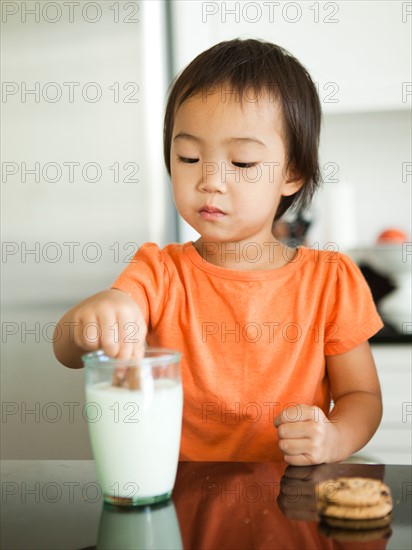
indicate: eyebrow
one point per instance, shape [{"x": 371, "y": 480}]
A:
[{"x": 190, "y": 137}]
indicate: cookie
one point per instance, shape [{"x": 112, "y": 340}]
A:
[
  {"x": 357, "y": 524},
  {"x": 352, "y": 535},
  {"x": 354, "y": 503},
  {"x": 379, "y": 510},
  {"x": 352, "y": 491}
]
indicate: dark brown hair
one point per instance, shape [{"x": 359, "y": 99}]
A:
[{"x": 267, "y": 69}]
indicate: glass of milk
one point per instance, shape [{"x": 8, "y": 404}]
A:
[{"x": 134, "y": 413}]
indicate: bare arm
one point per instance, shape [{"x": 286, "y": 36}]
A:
[
  {"x": 355, "y": 417},
  {"x": 100, "y": 322},
  {"x": 358, "y": 402}
]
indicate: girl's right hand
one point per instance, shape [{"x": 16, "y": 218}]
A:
[{"x": 110, "y": 320}]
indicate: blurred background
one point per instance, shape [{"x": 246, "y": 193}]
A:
[{"x": 83, "y": 185}]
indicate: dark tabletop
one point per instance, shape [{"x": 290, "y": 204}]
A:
[{"x": 215, "y": 506}]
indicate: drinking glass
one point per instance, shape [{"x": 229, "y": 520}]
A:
[{"x": 134, "y": 414}]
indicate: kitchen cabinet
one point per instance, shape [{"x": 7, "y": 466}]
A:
[{"x": 392, "y": 444}]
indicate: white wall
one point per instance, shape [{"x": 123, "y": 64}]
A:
[
  {"x": 36, "y": 290},
  {"x": 109, "y": 132}
]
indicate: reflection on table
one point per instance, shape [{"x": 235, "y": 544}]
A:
[
  {"x": 148, "y": 527},
  {"x": 214, "y": 506},
  {"x": 259, "y": 505}
]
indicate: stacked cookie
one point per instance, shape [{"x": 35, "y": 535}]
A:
[{"x": 354, "y": 504}]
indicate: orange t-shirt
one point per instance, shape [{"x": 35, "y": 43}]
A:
[{"x": 253, "y": 342}]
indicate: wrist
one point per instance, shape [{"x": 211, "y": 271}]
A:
[{"x": 335, "y": 449}]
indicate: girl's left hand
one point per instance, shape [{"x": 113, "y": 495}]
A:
[{"x": 306, "y": 435}]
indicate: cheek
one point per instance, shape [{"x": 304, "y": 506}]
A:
[
  {"x": 261, "y": 202},
  {"x": 260, "y": 192},
  {"x": 175, "y": 176},
  {"x": 179, "y": 191}
]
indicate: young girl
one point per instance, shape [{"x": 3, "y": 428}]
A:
[{"x": 276, "y": 361}]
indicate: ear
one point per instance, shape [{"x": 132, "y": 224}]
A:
[{"x": 293, "y": 181}]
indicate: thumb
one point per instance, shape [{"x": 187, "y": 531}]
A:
[{"x": 297, "y": 412}]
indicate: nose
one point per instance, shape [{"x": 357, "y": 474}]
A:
[{"x": 213, "y": 178}]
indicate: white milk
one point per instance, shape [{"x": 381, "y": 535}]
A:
[{"x": 135, "y": 437}]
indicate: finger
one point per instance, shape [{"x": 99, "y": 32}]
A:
[
  {"x": 297, "y": 413},
  {"x": 138, "y": 352},
  {"x": 310, "y": 447},
  {"x": 301, "y": 474},
  {"x": 139, "y": 340},
  {"x": 308, "y": 476},
  {"x": 126, "y": 330},
  {"x": 294, "y": 446},
  {"x": 140, "y": 346},
  {"x": 294, "y": 430},
  {"x": 322, "y": 472},
  {"x": 110, "y": 343},
  {"x": 85, "y": 334},
  {"x": 133, "y": 334},
  {"x": 119, "y": 376},
  {"x": 109, "y": 337},
  {"x": 299, "y": 460}
]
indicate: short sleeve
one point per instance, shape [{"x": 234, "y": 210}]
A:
[
  {"x": 146, "y": 279},
  {"x": 352, "y": 316}
]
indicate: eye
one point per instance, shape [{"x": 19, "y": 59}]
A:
[
  {"x": 187, "y": 160},
  {"x": 244, "y": 164}
]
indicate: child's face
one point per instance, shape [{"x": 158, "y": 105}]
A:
[{"x": 232, "y": 159}]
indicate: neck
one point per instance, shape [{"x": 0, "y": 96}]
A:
[{"x": 245, "y": 255}]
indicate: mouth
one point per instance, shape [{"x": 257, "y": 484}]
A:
[{"x": 211, "y": 212}]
